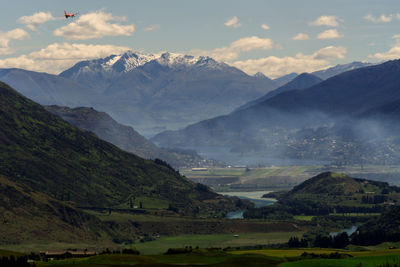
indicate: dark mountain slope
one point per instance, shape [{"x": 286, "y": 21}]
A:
[
  {"x": 387, "y": 112},
  {"x": 302, "y": 81},
  {"x": 340, "y": 68},
  {"x": 125, "y": 137},
  {"x": 347, "y": 94},
  {"x": 285, "y": 78},
  {"x": 41, "y": 150},
  {"x": 351, "y": 92}
]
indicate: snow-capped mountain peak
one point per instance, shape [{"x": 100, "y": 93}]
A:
[
  {"x": 127, "y": 61},
  {"x": 116, "y": 65}
]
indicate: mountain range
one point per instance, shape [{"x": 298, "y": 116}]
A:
[
  {"x": 166, "y": 91},
  {"x": 302, "y": 81},
  {"x": 126, "y": 138},
  {"x": 152, "y": 93},
  {"x": 325, "y": 73},
  {"x": 276, "y": 125}
]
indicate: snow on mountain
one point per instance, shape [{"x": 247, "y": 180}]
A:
[
  {"x": 333, "y": 71},
  {"x": 118, "y": 64},
  {"x": 167, "y": 89}
]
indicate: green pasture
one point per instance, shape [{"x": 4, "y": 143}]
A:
[
  {"x": 195, "y": 258},
  {"x": 303, "y": 218},
  {"x": 265, "y": 257},
  {"x": 162, "y": 244},
  {"x": 7, "y": 253},
  {"x": 370, "y": 261}
]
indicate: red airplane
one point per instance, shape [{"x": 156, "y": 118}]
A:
[{"x": 69, "y": 15}]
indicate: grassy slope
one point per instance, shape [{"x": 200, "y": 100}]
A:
[
  {"x": 29, "y": 216},
  {"x": 50, "y": 155},
  {"x": 339, "y": 189},
  {"x": 215, "y": 240},
  {"x": 270, "y": 257}
]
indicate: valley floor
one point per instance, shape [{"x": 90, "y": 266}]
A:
[
  {"x": 275, "y": 178},
  {"x": 233, "y": 257}
]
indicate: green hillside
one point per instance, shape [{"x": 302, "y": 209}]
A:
[
  {"x": 329, "y": 193},
  {"x": 51, "y": 156},
  {"x": 337, "y": 184},
  {"x": 384, "y": 228},
  {"x": 27, "y": 215}
]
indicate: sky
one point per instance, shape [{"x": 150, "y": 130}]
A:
[{"x": 273, "y": 37}]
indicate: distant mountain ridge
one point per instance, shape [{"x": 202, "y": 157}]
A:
[
  {"x": 340, "y": 68},
  {"x": 325, "y": 73},
  {"x": 327, "y": 111},
  {"x": 125, "y": 137},
  {"x": 285, "y": 78},
  {"x": 48, "y": 89},
  {"x": 166, "y": 91},
  {"x": 302, "y": 81}
]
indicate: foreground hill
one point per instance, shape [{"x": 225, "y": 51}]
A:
[
  {"x": 126, "y": 137},
  {"x": 330, "y": 193},
  {"x": 166, "y": 91},
  {"x": 27, "y": 215},
  {"x": 49, "y": 155},
  {"x": 330, "y": 110}
]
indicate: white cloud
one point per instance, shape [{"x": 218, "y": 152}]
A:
[
  {"x": 58, "y": 57},
  {"x": 393, "y": 53},
  {"x": 95, "y": 25},
  {"x": 275, "y": 67},
  {"x": 265, "y": 26},
  {"x": 330, "y": 21},
  {"x": 329, "y": 34},
  {"x": 382, "y": 18},
  {"x": 301, "y": 36},
  {"x": 396, "y": 36},
  {"x": 330, "y": 53},
  {"x": 36, "y": 19},
  {"x": 152, "y": 28},
  {"x": 231, "y": 52},
  {"x": 6, "y": 37},
  {"x": 233, "y": 22}
]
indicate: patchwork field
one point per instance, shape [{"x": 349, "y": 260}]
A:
[
  {"x": 217, "y": 257},
  {"x": 162, "y": 244},
  {"x": 282, "y": 177}
]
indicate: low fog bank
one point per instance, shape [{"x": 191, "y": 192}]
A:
[{"x": 291, "y": 138}]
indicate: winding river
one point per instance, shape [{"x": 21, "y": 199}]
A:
[{"x": 253, "y": 196}]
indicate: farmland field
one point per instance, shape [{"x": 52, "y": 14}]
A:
[
  {"x": 217, "y": 240},
  {"x": 265, "y": 257},
  {"x": 282, "y": 177}
]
